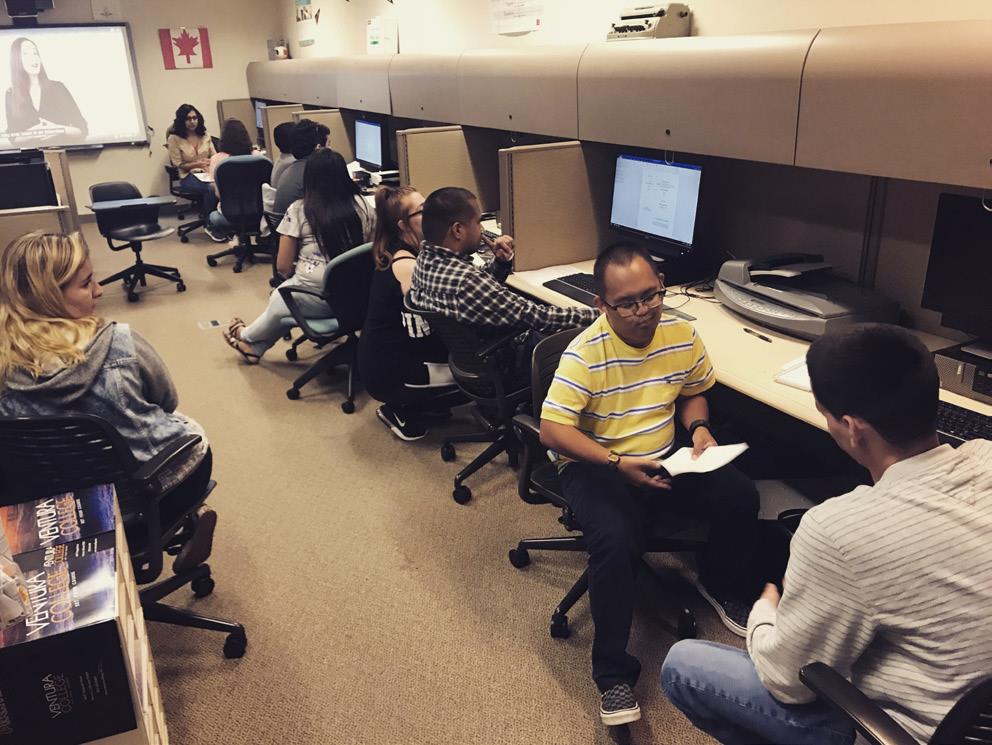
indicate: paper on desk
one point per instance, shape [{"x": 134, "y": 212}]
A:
[
  {"x": 794, "y": 374},
  {"x": 711, "y": 459},
  {"x": 203, "y": 176}
]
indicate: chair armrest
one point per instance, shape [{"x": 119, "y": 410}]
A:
[
  {"x": 528, "y": 425},
  {"x": 495, "y": 344},
  {"x": 294, "y": 309},
  {"x": 151, "y": 468},
  {"x": 831, "y": 687}
]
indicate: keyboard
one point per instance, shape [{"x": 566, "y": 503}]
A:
[
  {"x": 957, "y": 425},
  {"x": 582, "y": 288}
]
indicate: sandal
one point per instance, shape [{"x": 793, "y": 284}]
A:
[
  {"x": 234, "y": 342},
  {"x": 235, "y": 326}
]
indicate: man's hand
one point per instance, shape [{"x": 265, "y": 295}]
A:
[
  {"x": 502, "y": 247},
  {"x": 643, "y": 472},
  {"x": 770, "y": 593},
  {"x": 701, "y": 439}
]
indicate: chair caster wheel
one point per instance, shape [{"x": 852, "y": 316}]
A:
[
  {"x": 291, "y": 355},
  {"x": 211, "y": 261},
  {"x": 202, "y": 586},
  {"x": 235, "y": 646},
  {"x": 181, "y": 215},
  {"x": 237, "y": 268},
  {"x": 348, "y": 407},
  {"x": 686, "y": 628},
  {"x": 559, "y": 627},
  {"x": 447, "y": 452},
  {"x": 184, "y": 239},
  {"x": 132, "y": 297},
  {"x": 519, "y": 557},
  {"x": 462, "y": 494},
  {"x": 180, "y": 287},
  {"x": 293, "y": 394}
]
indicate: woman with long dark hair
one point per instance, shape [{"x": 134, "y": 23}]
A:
[
  {"x": 190, "y": 150},
  {"x": 38, "y": 107},
  {"x": 401, "y": 364},
  {"x": 331, "y": 218}
]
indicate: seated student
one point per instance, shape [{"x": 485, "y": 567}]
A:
[
  {"x": 401, "y": 363},
  {"x": 889, "y": 584},
  {"x": 331, "y": 218},
  {"x": 190, "y": 150},
  {"x": 610, "y": 414},
  {"x": 234, "y": 140},
  {"x": 58, "y": 357},
  {"x": 283, "y": 135},
  {"x": 307, "y": 138},
  {"x": 446, "y": 281}
]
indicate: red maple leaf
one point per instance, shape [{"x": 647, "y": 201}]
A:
[{"x": 187, "y": 45}]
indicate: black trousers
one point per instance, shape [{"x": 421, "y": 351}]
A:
[{"x": 616, "y": 520}]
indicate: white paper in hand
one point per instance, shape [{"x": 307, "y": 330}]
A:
[{"x": 711, "y": 459}]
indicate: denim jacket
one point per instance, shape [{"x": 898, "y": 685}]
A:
[{"x": 123, "y": 380}]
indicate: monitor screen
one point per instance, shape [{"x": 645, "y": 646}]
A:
[
  {"x": 368, "y": 143},
  {"x": 656, "y": 199},
  {"x": 68, "y": 85},
  {"x": 957, "y": 282},
  {"x": 259, "y": 114}
]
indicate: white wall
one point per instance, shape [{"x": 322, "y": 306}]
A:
[
  {"x": 238, "y": 32},
  {"x": 454, "y": 25}
]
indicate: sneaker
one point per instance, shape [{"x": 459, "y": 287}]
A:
[
  {"x": 618, "y": 706},
  {"x": 732, "y": 611},
  {"x": 403, "y": 428},
  {"x": 197, "y": 549},
  {"x": 215, "y": 236}
]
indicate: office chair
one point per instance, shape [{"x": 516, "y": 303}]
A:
[
  {"x": 195, "y": 199},
  {"x": 475, "y": 365},
  {"x": 45, "y": 455},
  {"x": 239, "y": 182},
  {"x": 272, "y": 220},
  {"x": 538, "y": 484},
  {"x": 968, "y": 721},
  {"x": 347, "y": 283},
  {"x": 130, "y": 227}
]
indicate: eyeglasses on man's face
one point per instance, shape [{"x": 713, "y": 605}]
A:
[{"x": 629, "y": 308}]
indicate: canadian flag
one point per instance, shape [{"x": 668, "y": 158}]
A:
[{"x": 184, "y": 48}]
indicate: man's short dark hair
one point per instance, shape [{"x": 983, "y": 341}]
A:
[
  {"x": 306, "y": 137},
  {"x": 880, "y": 373},
  {"x": 323, "y": 133},
  {"x": 620, "y": 253},
  {"x": 446, "y": 206},
  {"x": 283, "y": 135}
]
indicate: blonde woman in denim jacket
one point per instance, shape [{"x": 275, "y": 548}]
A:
[{"x": 58, "y": 357}]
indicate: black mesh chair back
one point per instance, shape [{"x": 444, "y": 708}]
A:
[
  {"x": 129, "y": 224},
  {"x": 239, "y": 182},
  {"x": 547, "y": 354},
  {"x": 970, "y": 719}
]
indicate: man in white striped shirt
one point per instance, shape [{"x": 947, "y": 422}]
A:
[{"x": 891, "y": 584}]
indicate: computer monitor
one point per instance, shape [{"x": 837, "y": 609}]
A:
[
  {"x": 259, "y": 114},
  {"x": 960, "y": 268},
  {"x": 368, "y": 144},
  {"x": 656, "y": 200}
]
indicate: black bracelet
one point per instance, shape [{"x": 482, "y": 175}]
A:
[{"x": 697, "y": 424}]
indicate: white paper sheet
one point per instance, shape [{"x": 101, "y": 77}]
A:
[
  {"x": 794, "y": 374},
  {"x": 711, "y": 459}
]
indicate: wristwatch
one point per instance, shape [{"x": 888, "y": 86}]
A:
[
  {"x": 613, "y": 460},
  {"x": 697, "y": 424}
]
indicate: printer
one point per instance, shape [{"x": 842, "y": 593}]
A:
[
  {"x": 797, "y": 294},
  {"x": 651, "y": 22}
]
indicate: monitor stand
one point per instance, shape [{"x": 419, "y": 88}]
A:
[{"x": 680, "y": 271}]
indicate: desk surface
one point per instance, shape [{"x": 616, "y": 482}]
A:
[
  {"x": 741, "y": 361},
  {"x": 117, "y": 204},
  {"x": 35, "y": 210}
]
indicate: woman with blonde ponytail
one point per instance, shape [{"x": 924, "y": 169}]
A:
[{"x": 58, "y": 357}]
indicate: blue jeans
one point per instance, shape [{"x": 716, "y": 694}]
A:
[
  {"x": 218, "y": 223},
  {"x": 719, "y": 691},
  {"x": 192, "y": 184}
]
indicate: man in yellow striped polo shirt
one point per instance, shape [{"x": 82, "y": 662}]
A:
[{"x": 620, "y": 390}]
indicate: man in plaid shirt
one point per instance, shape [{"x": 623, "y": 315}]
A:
[{"x": 446, "y": 281}]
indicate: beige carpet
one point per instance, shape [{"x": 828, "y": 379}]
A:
[{"x": 377, "y": 610}]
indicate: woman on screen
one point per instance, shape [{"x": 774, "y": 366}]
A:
[{"x": 39, "y": 108}]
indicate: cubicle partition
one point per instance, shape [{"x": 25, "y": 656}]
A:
[{"x": 241, "y": 109}]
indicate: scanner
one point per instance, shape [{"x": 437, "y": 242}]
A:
[
  {"x": 797, "y": 294},
  {"x": 651, "y": 22}
]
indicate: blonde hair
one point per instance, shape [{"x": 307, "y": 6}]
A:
[
  {"x": 388, "y": 213},
  {"x": 36, "y": 329}
]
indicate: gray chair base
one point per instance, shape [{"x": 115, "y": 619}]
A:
[{"x": 136, "y": 275}]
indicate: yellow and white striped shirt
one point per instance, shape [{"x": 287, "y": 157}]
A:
[{"x": 624, "y": 397}]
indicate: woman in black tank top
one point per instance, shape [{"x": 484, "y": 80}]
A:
[{"x": 401, "y": 364}]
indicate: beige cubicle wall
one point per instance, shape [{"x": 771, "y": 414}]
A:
[
  {"x": 272, "y": 117},
  {"x": 733, "y": 96},
  {"x": 241, "y": 109},
  {"x": 909, "y": 101},
  {"x": 341, "y": 138},
  {"x": 309, "y": 81},
  {"x": 363, "y": 84},
  {"x": 425, "y": 86},
  {"x": 433, "y": 157},
  {"x": 520, "y": 90},
  {"x": 555, "y": 202}
]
